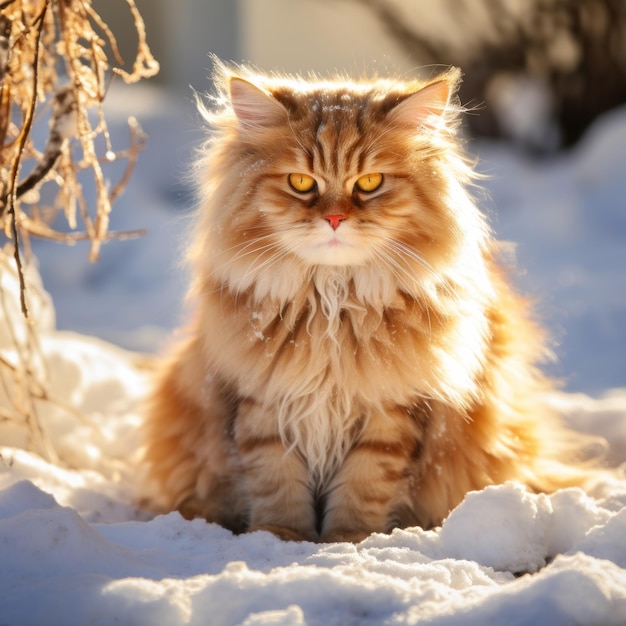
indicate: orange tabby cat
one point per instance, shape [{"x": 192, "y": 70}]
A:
[{"x": 355, "y": 359}]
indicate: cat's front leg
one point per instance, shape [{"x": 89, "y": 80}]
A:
[
  {"x": 277, "y": 480},
  {"x": 371, "y": 490}
]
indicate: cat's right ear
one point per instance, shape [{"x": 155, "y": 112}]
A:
[
  {"x": 425, "y": 107},
  {"x": 254, "y": 108}
]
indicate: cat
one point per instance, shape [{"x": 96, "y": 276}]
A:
[{"x": 356, "y": 359}]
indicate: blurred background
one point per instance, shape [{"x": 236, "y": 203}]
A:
[
  {"x": 546, "y": 82},
  {"x": 565, "y": 58}
]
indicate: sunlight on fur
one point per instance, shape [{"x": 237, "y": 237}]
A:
[{"x": 355, "y": 358}]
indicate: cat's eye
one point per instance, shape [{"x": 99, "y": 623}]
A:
[
  {"x": 302, "y": 183},
  {"x": 368, "y": 183}
]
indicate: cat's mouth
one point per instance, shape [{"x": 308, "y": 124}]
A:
[
  {"x": 336, "y": 242},
  {"x": 333, "y": 249}
]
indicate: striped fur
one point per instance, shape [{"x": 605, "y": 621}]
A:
[{"x": 334, "y": 382}]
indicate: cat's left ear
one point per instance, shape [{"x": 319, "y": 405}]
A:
[
  {"x": 426, "y": 107},
  {"x": 254, "y": 108}
]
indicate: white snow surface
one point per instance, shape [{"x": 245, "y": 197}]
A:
[{"x": 77, "y": 548}]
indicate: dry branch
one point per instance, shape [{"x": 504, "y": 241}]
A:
[{"x": 54, "y": 66}]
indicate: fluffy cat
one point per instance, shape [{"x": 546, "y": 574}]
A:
[{"x": 355, "y": 358}]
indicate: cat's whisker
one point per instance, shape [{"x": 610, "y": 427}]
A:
[
  {"x": 267, "y": 263},
  {"x": 248, "y": 248},
  {"x": 282, "y": 250},
  {"x": 400, "y": 271},
  {"x": 256, "y": 251},
  {"x": 402, "y": 255},
  {"x": 405, "y": 250},
  {"x": 244, "y": 246}
]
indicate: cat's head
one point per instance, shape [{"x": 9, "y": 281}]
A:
[{"x": 336, "y": 173}]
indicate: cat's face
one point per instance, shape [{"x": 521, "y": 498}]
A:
[
  {"x": 340, "y": 175},
  {"x": 327, "y": 193}
]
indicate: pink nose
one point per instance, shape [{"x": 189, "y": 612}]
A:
[{"x": 335, "y": 220}]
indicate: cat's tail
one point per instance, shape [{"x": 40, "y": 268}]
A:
[{"x": 568, "y": 458}]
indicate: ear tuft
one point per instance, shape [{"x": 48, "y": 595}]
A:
[
  {"x": 254, "y": 107},
  {"x": 427, "y": 106}
]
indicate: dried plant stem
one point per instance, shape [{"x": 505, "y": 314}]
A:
[
  {"x": 15, "y": 165},
  {"x": 137, "y": 141},
  {"x": 27, "y": 385},
  {"x": 36, "y": 38},
  {"x": 63, "y": 106},
  {"x": 145, "y": 64}
]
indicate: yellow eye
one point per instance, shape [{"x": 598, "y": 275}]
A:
[
  {"x": 369, "y": 182},
  {"x": 302, "y": 183}
]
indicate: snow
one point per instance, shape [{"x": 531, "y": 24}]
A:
[{"x": 77, "y": 547}]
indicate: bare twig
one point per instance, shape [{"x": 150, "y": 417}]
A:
[
  {"x": 38, "y": 228},
  {"x": 36, "y": 37},
  {"x": 145, "y": 64},
  {"x": 102, "y": 25},
  {"x": 64, "y": 109},
  {"x": 137, "y": 142},
  {"x": 15, "y": 166}
]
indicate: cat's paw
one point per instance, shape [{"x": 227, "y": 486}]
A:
[
  {"x": 343, "y": 535},
  {"x": 283, "y": 532}
]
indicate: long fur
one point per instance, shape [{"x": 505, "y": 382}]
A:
[{"x": 333, "y": 382}]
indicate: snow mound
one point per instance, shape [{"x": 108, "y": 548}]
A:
[{"x": 58, "y": 568}]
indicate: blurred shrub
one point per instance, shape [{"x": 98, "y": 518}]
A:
[
  {"x": 54, "y": 76},
  {"x": 541, "y": 70}
]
